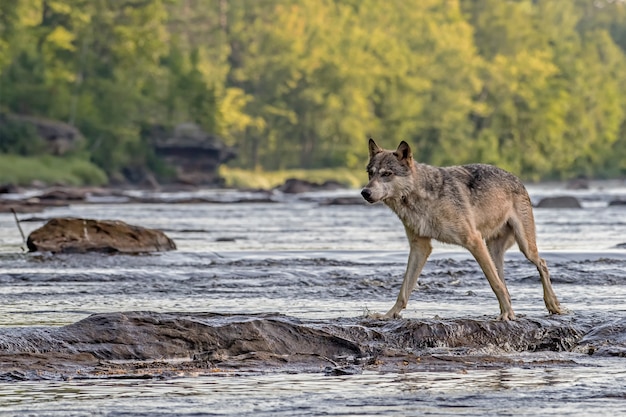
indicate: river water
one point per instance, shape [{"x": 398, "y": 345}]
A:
[{"x": 304, "y": 259}]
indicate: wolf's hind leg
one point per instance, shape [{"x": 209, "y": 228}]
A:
[
  {"x": 525, "y": 237},
  {"x": 478, "y": 248},
  {"x": 497, "y": 246}
]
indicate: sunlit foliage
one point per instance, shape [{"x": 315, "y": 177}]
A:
[{"x": 532, "y": 85}]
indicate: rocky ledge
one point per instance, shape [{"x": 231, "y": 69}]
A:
[{"x": 149, "y": 344}]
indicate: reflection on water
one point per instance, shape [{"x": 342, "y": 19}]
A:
[
  {"x": 512, "y": 391},
  {"x": 319, "y": 262}
]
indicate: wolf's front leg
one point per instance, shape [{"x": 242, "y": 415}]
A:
[{"x": 420, "y": 250}]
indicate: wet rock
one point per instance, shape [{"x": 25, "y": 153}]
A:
[
  {"x": 73, "y": 235},
  {"x": 342, "y": 370},
  {"x": 580, "y": 183},
  {"x": 61, "y": 197},
  {"x": 147, "y": 335},
  {"x": 229, "y": 239},
  {"x": 201, "y": 341},
  {"x": 344, "y": 201},
  {"x": 561, "y": 202},
  {"x": 298, "y": 186},
  {"x": 521, "y": 335},
  {"x": 124, "y": 343},
  {"x": 32, "y": 205},
  {"x": 63, "y": 194},
  {"x": 202, "y": 200},
  {"x": 9, "y": 189},
  {"x": 608, "y": 339}
]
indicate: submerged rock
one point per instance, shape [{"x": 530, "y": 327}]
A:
[
  {"x": 73, "y": 235},
  {"x": 29, "y": 206},
  {"x": 580, "y": 183},
  {"x": 64, "y": 195},
  {"x": 559, "y": 202},
  {"x": 344, "y": 201},
  {"x": 9, "y": 189},
  {"x": 608, "y": 339},
  {"x": 60, "y": 196},
  {"x": 298, "y": 186},
  {"x": 115, "y": 344}
]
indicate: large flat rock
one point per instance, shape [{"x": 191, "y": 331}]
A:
[{"x": 132, "y": 344}]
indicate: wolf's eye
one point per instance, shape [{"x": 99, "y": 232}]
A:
[{"x": 386, "y": 174}]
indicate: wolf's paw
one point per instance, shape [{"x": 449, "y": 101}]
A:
[
  {"x": 380, "y": 316},
  {"x": 554, "y": 307},
  {"x": 558, "y": 309},
  {"x": 507, "y": 315}
]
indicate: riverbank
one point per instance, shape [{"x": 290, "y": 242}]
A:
[{"x": 47, "y": 170}]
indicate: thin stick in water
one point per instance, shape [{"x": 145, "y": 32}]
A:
[{"x": 17, "y": 221}]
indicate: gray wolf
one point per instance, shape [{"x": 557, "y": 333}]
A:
[{"x": 480, "y": 207}]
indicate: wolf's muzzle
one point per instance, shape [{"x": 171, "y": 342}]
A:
[{"x": 367, "y": 195}]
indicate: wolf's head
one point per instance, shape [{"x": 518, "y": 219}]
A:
[{"x": 390, "y": 172}]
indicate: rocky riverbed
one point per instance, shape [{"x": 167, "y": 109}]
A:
[
  {"x": 261, "y": 310},
  {"x": 150, "y": 344}
]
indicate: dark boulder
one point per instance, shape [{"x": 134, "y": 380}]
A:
[
  {"x": 619, "y": 202},
  {"x": 608, "y": 339},
  {"x": 561, "y": 202},
  {"x": 22, "y": 207},
  {"x": 194, "y": 153},
  {"x": 9, "y": 189},
  {"x": 63, "y": 194},
  {"x": 72, "y": 235},
  {"x": 297, "y": 186},
  {"x": 60, "y": 197},
  {"x": 344, "y": 201},
  {"x": 580, "y": 183}
]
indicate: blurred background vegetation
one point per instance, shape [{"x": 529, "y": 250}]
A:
[{"x": 535, "y": 86}]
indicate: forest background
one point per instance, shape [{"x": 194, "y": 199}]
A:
[{"x": 534, "y": 86}]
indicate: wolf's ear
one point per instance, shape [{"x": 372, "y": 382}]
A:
[
  {"x": 374, "y": 148},
  {"x": 404, "y": 151}
]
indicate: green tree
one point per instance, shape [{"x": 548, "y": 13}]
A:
[
  {"x": 532, "y": 85},
  {"x": 203, "y": 56},
  {"x": 549, "y": 104},
  {"x": 426, "y": 76}
]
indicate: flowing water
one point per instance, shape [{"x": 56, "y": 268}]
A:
[{"x": 323, "y": 262}]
